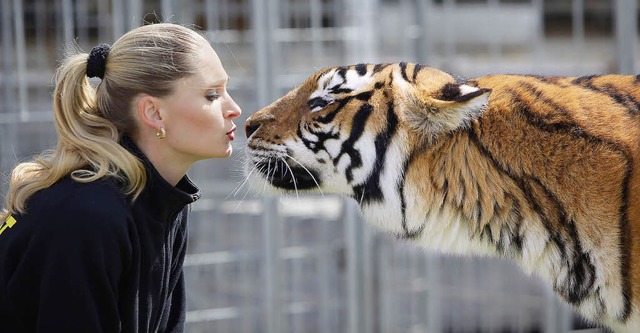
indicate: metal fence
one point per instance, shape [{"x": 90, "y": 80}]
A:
[{"x": 309, "y": 264}]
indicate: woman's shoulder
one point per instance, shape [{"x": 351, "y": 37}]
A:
[{"x": 68, "y": 202}]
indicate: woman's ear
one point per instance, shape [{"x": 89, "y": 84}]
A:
[
  {"x": 148, "y": 110},
  {"x": 444, "y": 110}
]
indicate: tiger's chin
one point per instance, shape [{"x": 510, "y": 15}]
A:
[
  {"x": 283, "y": 175},
  {"x": 295, "y": 179}
]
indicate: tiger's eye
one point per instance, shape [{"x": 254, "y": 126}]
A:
[{"x": 317, "y": 102}]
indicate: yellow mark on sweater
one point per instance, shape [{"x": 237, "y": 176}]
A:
[{"x": 8, "y": 224}]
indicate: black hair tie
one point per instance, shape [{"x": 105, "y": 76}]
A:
[{"x": 96, "y": 63}]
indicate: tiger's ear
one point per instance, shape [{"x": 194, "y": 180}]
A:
[{"x": 446, "y": 109}]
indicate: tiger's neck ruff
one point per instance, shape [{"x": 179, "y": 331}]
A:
[{"x": 540, "y": 170}]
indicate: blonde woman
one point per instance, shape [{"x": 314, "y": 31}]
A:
[{"x": 94, "y": 233}]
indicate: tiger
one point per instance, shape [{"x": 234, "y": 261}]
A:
[{"x": 541, "y": 170}]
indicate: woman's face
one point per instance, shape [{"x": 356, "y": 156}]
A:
[{"x": 198, "y": 115}]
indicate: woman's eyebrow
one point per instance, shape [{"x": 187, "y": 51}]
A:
[{"x": 218, "y": 82}]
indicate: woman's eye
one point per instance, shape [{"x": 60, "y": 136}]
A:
[{"x": 212, "y": 96}]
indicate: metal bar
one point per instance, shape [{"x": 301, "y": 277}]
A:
[
  {"x": 315, "y": 11},
  {"x": 433, "y": 294},
  {"x": 577, "y": 33},
  {"x": 166, "y": 10},
  {"x": 273, "y": 24},
  {"x": 262, "y": 50},
  {"x": 626, "y": 34},
  {"x": 117, "y": 12},
  {"x": 211, "y": 10},
  {"x": 67, "y": 21},
  {"x": 7, "y": 60},
  {"x": 41, "y": 33},
  {"x": 495, "y": 49},
  {"x": 383, "y": 252},
  {"x": 362, "y": 47},
  {"x": 324, "y": 277},
  {"x": 21, "y": 59},
  {"x": 408, "y": 44},
  {"x": 353, "y": 243},
  {"x": 450, "y": 32},
  {"x": 134, "y": 8},
  {"x": 103, "y": 22},
  {"x": 272, "y": 263},
  {"x": 81, "y": 15},
  {"x": 368, "y": 301},
  {"x": 539, "y": 50},
  {"x": 425, "y": 47}
]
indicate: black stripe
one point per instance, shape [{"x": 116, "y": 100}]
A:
[
  {"x": 359, "y": 121},
  {"x": 572, "y": 129},
  {"x": 371, "y": 190},
  {"x": 585, "y": 80},
  {"x": 317, "y": 102},
  {"x": 338, "y": 89},
  {"x": 403, "y": 71},
  {"x": 505, "y": 171},
  {"x": 342, "y": 72},
  {"x": 622, "y": 98},
  {"x": 319, "y": 145},
  {"x": 379, "y": 67},
  {"x": 364, "y": 96},
  {"x": 548, "y": 125},
  {"x": 416, "y": 70},
  {"x": 619, "y": 96},
  {"x": 408, "y": 234},
  {"x": 553, "y": 80},
  {"x": 625, "y": 240},
  {"x": 581, "y": 270},
  {"x": 331, "y": 115}
]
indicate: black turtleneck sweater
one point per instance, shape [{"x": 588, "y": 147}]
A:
[{"x": 84, "y": 258}]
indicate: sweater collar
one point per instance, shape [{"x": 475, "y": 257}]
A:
[{"x": 163, "y": 200}]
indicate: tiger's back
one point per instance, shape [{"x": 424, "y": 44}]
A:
[
  {"x": 542, "y": 170},
  {"x": 578, "y": 152}
]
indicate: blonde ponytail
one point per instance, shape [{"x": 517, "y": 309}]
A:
[{"x": 90, "y": 121}]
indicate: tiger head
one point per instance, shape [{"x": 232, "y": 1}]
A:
[{"x": 348, "y": 129}]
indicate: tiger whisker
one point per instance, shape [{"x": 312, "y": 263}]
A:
[
  {"x": 246, "y": 193},
  {"x": 293, "y": 176},
  {"x": 246, "y": 178},
  {"x": 264, "y": 186},
  {"x": 309, "y": 172}
]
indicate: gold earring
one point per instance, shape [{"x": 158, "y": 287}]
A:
[{"x": 161, "y": 134}]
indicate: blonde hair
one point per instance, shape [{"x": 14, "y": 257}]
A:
[{"x": 91, "y": 121}]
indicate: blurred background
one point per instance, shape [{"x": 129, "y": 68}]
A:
[{"x": 309, "y": 264}]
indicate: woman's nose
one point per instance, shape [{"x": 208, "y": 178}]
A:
[{"x": 234, "y": 110}]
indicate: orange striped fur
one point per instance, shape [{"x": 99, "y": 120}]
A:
[{"x": 542, "y": 170}]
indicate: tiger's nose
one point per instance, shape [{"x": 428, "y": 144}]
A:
[{"x": 250, "y": 127}]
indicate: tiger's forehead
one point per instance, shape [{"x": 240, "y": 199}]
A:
[{"x": 343, "y": 80}]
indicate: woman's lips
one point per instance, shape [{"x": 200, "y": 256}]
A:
[{"x": 230, "y": 134}]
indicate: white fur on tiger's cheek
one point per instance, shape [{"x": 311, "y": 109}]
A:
[
  {"x": 367, "y": 149},
  {"x": 333, "y": 146},
  {"x": 309, "y": 136},
  {"x": 389, "y": 213}
]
